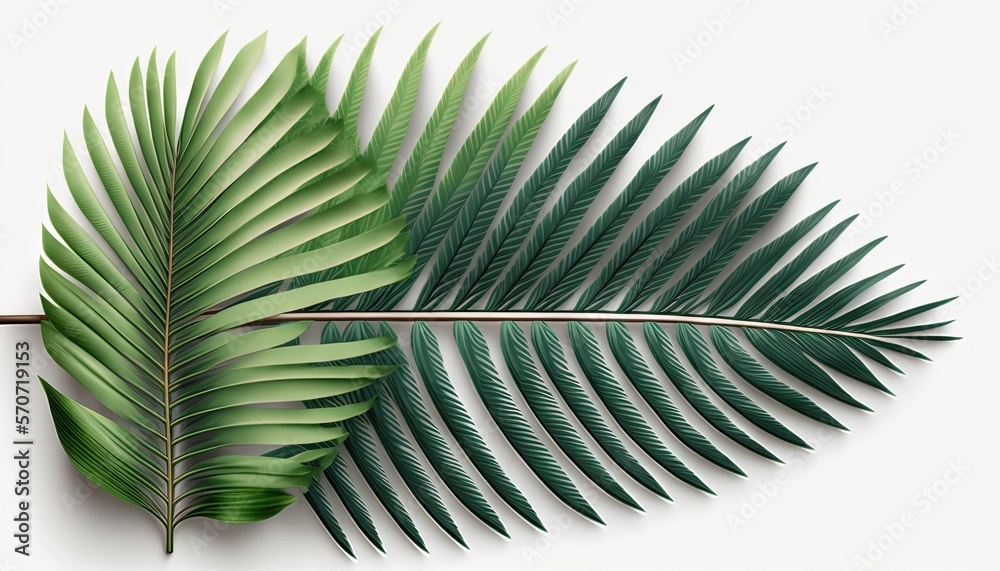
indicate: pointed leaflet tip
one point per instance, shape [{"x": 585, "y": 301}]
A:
[
  {"x": 801, "y": 173},
  {"x": 765, "y": 159},
  {"x": 532, "y": 61},
  {"x": 257, "y": 45},
  {"x": 298, "y": 51},
  {"x": 51, "y": 204},
  {"x": 646, "y": 112},
  {"x": 613, "y": 91},
  {"x": 479, "y": 45}
]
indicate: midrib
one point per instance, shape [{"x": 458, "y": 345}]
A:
[
  {"x": 556, "y": 316},
  {"x": 489, "y": 316},
  {"x": 169, "y": 430}
]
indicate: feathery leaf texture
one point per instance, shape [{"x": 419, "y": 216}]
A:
[
  {"x": 489, "y": 251},
  {"x": 693, "y": 309},
  {"x": 158, "y": 317}
]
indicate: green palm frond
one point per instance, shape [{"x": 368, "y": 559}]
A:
[
  {"x": 662, "y": 290},
  {"x": 161, "y": 316},
  {"x": 670, "y": 273}
]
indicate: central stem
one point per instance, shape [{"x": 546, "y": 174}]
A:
[
  {"x": 169, "y": 432},
  {"x": 562, "y": 316},
  {"x": 486, "y": 316}
]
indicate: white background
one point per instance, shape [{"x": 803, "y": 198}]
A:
[{"x": 894, "y": 75}]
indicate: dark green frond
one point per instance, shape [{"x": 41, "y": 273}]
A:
[
  {"x": 513, "y": 227},
  {"x": 547, "y": 410},
  {"x": 555, "y": 228},
  {"x": 483, "y": 242},
  {"x": 475, "y": 354},
  {"x": 427, "y": 357},
  {"x": 554, "y": 361}
]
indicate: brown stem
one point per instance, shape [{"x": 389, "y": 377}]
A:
[{"x": 493, "y": 316}]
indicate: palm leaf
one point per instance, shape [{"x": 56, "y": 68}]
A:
[
  {"x": 675, "y": 260},
  {"x": 161, "y": 317},
  {"x": 221, "y": 234}
]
